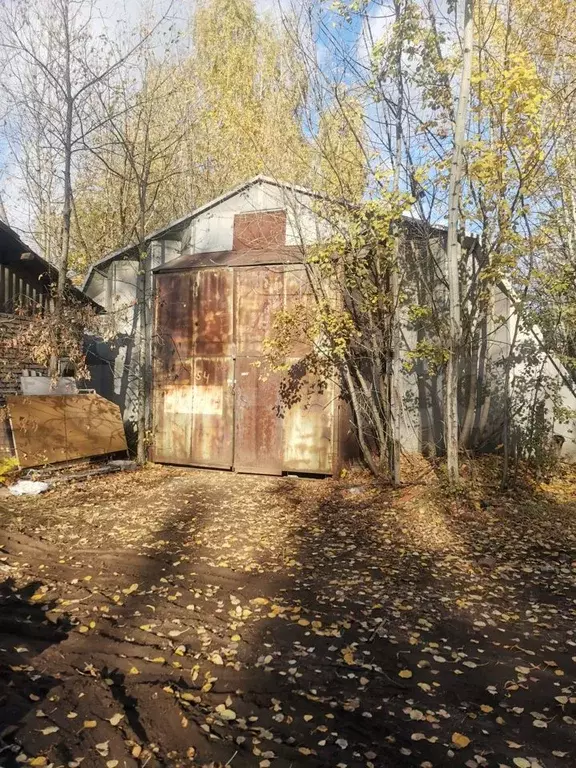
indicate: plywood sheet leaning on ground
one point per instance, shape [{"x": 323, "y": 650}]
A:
[{"x": 51, "y": 428}]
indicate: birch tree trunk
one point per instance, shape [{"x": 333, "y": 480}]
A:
[
  {"x": 394, "y": 449},
  {"x": 453, "y": 253},
  {"x": 67, "y": 153}
]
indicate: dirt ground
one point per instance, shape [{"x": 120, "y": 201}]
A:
[{"x": 174, "y": 617}]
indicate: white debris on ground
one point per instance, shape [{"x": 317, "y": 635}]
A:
[{"x": 28, "y": 488}]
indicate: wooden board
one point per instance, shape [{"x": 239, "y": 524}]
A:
[{"x": 51, "y": 428}]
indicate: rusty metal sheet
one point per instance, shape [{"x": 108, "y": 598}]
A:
[
  {"x": 173, "y": 424},
  {"x": 174, "y": 327},
  {"x": 308, "y": 442},
  {"x": 258, "y": 440},
  {"x": 259, "y": 296},
  {"x": 212, "y": 412},
  {"x": 259, "y": 229},
  {"x": 298, "y": 293},
  {"x": 173, "y": 364},
  {"x": 212, "y": 312},
  {"x": 52, "y": 428}
]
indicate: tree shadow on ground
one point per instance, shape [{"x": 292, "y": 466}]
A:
[
  {"x": 371, "y": 631},
  {"x": 25, "y": 633}
]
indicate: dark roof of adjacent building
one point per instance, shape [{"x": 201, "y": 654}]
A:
[{"x": 15, "y": 252}]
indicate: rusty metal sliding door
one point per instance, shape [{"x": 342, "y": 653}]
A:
[
  {"x": 173, "y": 367},
  {"x": 258, "y": 426},
  {"x": 308, "y": 415},
  {"x": 213, "y": 378},
  {"x": 194, "y": 370},
  {"x": 215, "y": 402}
]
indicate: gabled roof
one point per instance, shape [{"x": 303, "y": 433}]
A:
[
  {"x": 12, "y": 249},
  {"x": 178, "y": 224}
]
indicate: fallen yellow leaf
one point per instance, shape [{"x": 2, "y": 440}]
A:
[
  {"x": 460, "y": 740},
  {"x": 115, "y": 719}
]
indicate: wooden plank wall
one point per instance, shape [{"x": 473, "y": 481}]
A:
[
  {"x": 20, "y": 290},
  {"x": 50, "y": 428}
]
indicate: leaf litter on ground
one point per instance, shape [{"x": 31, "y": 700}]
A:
[{"x": 386, "y": 609}]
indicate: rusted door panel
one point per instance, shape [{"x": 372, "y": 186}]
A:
[
  {"x": 258, "y": 443},
  {"x": 174, "y": 329},
  {"x": 212, "y": 315},
  {"x": 259, "y": 229},
  {"x": 173, "y": 365},
  {"x": 173, "y": 425},
  {"x": 212, "y": 412},
  {"x": 298, "y": 297},
  {"x": 213, "y": 378},
  {"x": 307, "y": 443},
  {"x": 259, "y": 296}
]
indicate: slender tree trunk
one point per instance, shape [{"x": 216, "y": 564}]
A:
[
  {"x": 472, "y": 373},
  {"x": 506, "y": 426},
  {"x": 394, "y": 448},
  {"x": 142, "y": 307},
  {"x": 364, "y": 447},
  {"x": 67, "y": 206},
  {"x": 67, "y": 191},
  {"x": 453, "y": 253}
]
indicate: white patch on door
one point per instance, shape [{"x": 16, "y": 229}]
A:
[
  {"x": 208, "y": 400},
  {"x": 178, "y": 400}
]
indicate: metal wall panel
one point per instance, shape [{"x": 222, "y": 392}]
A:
[
  {"x": 212, "y": 312},
  {"x": 298, "y": 294},
  {"x": 213, "y": 381},
  {"x": 259, "y": 293},
  {"x": 259, "y": 296},
  {"x": 174, "y": 326},
  {"x": 173, "y": 424},
  {"x": 308, "y": 428}
]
